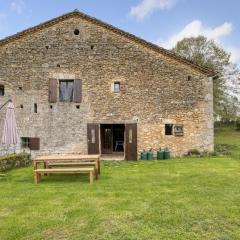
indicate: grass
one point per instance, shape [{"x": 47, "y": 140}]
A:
[{"x": 191, "y": 198}]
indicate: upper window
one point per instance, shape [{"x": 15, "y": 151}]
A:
[
  {"x": 116, "y": 87},
  {"x": 1, "y": 90},
  {"x": 168, "y": 129},
  {"x": 66, "y": 90}
]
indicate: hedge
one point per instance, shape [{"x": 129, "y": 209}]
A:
[{"x": 11, "y": 161}]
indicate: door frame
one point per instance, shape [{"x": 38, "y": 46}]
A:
[{"x": 126, "y": 146}]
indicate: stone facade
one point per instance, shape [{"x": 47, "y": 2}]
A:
[{"x": 159, "y": 89}]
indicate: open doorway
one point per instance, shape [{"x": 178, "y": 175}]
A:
[{"x": 112, "y": 139}]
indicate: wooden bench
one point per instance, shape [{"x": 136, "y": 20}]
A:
[
  {"x": 75, "y": 164},
  {"x": 39, "y": 172}
]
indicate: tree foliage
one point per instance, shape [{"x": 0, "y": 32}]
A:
[{"x": 208, "y": 53}]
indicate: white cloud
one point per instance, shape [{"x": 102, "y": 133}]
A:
[
  {"x": 196, "y": 28},
  {"x": 146, "y": 7},
  {"x": 235, "y": 54},
  {"x": 18, "y": 6}
]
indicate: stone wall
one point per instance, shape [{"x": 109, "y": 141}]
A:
[
  {"x": 159, "y": 90},
  {"x": 11, "y": 161}
]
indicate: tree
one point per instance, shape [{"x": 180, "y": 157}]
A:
[{"x": 226, "y": 88}]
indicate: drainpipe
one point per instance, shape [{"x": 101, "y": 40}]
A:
[{"x": 4, "y": 104}]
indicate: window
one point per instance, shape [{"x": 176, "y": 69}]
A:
[
  {"x": 66, "y": 90},
  {"x": 1, "y": 90},
  {"x": 76, "y": 31},
  {"x": 168, "y": 129},
  {"x": 35, "y": 108},
  {"x": 116, "y": 88},
  {"x": 130, "y": 136},
  {"x": 178, "y": 130},
  {"x": 31, "y": 143},
  {"x": 25, "y": 142},
  {"x": 93, "y": 139}
]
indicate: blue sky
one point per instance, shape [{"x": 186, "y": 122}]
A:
[{"x": 160, "y": 21}]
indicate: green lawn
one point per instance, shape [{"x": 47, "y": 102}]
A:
[{"x": 191, "y": 198}]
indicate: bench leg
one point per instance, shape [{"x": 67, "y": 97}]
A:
[
  {"x": 36, "y": 177},
  {"x": 91, "y": 175},
  {"x": 45, "y": 166}
]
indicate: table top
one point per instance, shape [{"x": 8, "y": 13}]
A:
[{"x": 66, "y": 157}]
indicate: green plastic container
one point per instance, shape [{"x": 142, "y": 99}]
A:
[
  {"x": 144, "y": 155},
  {"x": 149, "y": 155},
  {"x": 166, "y": 154},
  {"x": 160, "y": 154}
]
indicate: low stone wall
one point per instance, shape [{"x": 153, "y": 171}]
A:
[{"x": 11, "y": 161}]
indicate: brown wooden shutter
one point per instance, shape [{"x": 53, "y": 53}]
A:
[
  {"x": 77, "y": 96},
  {"x": 131, "y": 141},
  {"x": 53, "y": 90},
  {"x": 93, "y": 138},
  {"x": 34, "y": 143}
]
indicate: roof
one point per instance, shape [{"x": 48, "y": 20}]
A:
[{"x": 116, "y": 30}]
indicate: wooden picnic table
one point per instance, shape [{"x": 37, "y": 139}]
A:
[{"x": 66, "y": 158}]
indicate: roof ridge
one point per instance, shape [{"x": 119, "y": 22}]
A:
[{"x": 130, "y": 36}]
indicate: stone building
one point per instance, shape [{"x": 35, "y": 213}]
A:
[{"x": 80, "y": 85}]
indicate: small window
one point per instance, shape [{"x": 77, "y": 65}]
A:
[
  {"x": 31, "y": 143},
  {"x": 76, "y": 31},
  {"x": 1, "y": 90},
  {"x": 66, "y": 90},
  {"x": 189, "y": 78},
  {"x": 93, "y": 139},
  {"x": 130, "y": 136},
  {"x": 25, "y": 142},
  {"x": 116, "y": 88},
  {"x": 168, "y": 129},
  {"x": 35, "y": 108}
]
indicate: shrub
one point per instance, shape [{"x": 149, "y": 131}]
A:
[
  {"x": 11, "y": 161},
  {"x": 193, "y": 152},
  {"x": 224, "y": 149}
]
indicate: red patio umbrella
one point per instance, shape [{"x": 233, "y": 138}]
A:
[{"x": 10, "y": 135}]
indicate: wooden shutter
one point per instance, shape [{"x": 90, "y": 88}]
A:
[
  {"x": 34, "y": 143},
  {"x": 53, "y": 90},
  {"x": 77, "y": 96},
  {"x": 93, "y": 138},
  {"x": 131, "y": 141}
]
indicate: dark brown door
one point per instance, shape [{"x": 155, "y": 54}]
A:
[
  {"x": 93, "y": 138},
  {"x": 107, "y": 138},
  {"x": 131, "y": 141}
]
